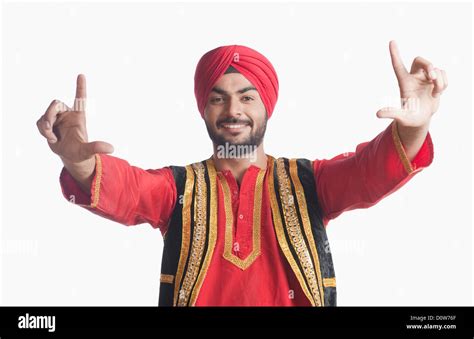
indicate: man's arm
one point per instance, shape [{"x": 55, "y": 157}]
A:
[
  {"x": 124, "y": 193},
  {"x": 378, "y": 168},
  {"x": 103, "y": 184},
  {"x": 362, "y": 178}
]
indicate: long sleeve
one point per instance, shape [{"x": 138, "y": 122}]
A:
[
  {"x": 362, "y": 178},
  {"x": 124, "y": 193}
]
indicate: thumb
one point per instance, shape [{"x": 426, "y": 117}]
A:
[
  {"x": 101, "y": 147},
  {"x": 390, "y": 113}
]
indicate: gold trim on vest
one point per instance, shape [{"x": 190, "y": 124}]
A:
[
  {"x": 212, "y": 227},
  {"x": 166, "y": 278},
  {"x": 303, "y": 209},
  {"x": 186, "y": 229},
  {"x": 199, "y": 235},
  {"x": 329, "y": 282},
  {"x": 277, "y": 222},
  {"x": 294, "y": 231}
]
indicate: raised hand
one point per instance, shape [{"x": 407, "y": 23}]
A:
[
  {"x": 420, "y": 91},
  {"x": 65, "y": 129}
]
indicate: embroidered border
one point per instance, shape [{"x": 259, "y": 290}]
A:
[
  {"x": 281, "y": 235},
  {"x": 186, "y": 229},
  {"x": 212, "y": 231},
  {"x": 303, "y": 208},
  {"x": 166, "y": 278},
  {"x": 98, "y": 178},
  {"x": 329, "y": 282},
  {"x": 256, "y": 228},
  {"x": 199, "y": 236},
  {"x": 294, "y": 231},
  {"x": 400, "y": 150}
]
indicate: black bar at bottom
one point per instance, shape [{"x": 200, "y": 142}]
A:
[{"x": 37, "y": 322}]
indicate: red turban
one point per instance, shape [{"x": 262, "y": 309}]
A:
[{"x": 250, "y": 63}]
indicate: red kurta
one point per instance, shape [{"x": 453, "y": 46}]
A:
[{"x": 130, "y": 195}]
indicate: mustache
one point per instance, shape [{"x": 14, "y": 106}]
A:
[{"x": 233, "y": 121}]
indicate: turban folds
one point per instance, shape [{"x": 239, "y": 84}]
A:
[{"x": 250, "y": 63}]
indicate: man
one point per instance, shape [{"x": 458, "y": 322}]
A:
[{"x": 244, "y": 228}]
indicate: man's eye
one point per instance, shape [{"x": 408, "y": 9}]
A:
[
  {"x": 216, "y": 100},
  {"x": 247, "y": 98}
]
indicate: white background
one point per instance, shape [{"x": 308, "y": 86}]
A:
[{"x": 333, "y": 62}]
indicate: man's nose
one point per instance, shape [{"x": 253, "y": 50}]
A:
[{"x": 234, "y": 106}]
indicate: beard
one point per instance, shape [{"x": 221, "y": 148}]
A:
[{"x": 252, "y": 141}]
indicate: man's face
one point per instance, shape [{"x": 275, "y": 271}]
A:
[{"x": 235, "y": 113}]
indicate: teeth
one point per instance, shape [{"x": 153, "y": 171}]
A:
[{"x": 232, "y": 126}]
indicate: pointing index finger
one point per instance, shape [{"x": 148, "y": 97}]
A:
[
  {"x": 397, "y": 62},
  {"x": 81, "y": 93}
]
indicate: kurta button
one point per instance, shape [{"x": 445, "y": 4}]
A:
[{"x": 241, "y": 216}]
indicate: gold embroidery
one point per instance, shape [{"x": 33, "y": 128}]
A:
[
  {"x": 98, "y": 177},
  {"x": 401, "y": 151},
  {"x": 199, "y": 235},
  {"x": 281, "y": 235},
  {"x": 256, "y": 228},
  {"x": 294, "y": 230},
  {"x": 329, "y": 282},
  {"x": 186, "y": 229},
  {"x": 166, "y": 278},
  {"x": 303, "y": 208},
  {"x": 212, "y": 231}
]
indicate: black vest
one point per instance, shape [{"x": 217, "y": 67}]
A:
[{"x": 191, "y": 237}]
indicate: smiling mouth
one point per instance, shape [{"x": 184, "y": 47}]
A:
[{"x": 234, "y": 127}]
